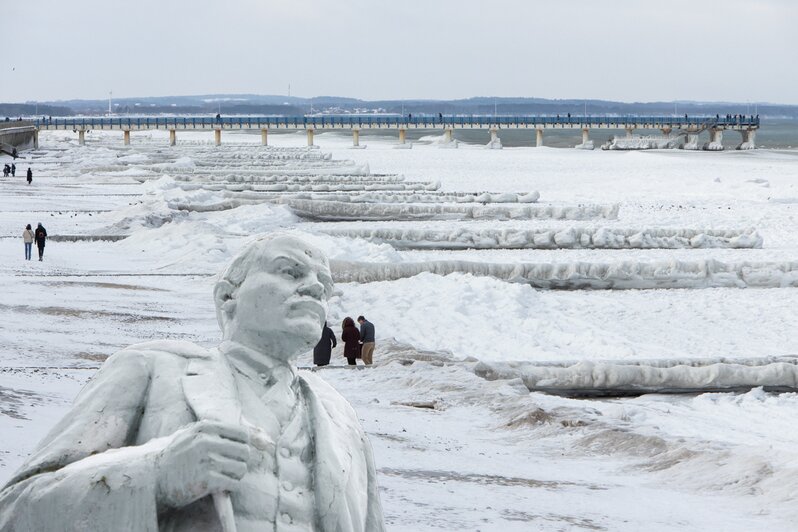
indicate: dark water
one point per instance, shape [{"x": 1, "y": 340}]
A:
[{"x": 773, "y": 134}]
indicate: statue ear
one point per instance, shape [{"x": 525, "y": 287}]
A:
[{"x": 225, "y": 304}]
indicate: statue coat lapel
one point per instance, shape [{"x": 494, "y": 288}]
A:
[
  {"x": 333, "y": 461},
  {"x": 210, "y": 389}
]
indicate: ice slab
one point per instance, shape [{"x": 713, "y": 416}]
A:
[
  {"x": 339, "y": 211},
  {"x": 551, "y": 238},
  {"x": 621, "y": 275},
  {"x": 591, "y": 378}
]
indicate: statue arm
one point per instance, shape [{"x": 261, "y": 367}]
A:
[{"x": 86, "y": 473}]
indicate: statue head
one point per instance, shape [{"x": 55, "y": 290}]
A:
[{"x": 272, "y": 297}]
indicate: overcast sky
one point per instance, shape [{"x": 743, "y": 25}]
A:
[{"x": 628, "y": 50}]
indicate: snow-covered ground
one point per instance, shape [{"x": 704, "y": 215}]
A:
[{"x": 454, "y": 451}]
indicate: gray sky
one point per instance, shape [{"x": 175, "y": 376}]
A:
[{"x": 629, "y": 50}]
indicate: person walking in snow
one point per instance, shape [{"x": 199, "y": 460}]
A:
[
  {"x": 40, "y": 237},
  {"x": 28, "y": 237},
  {"x": 351, "y": 339},
  {"x": 13, "y": 170},
  {"x": 323, "y": 349},
  {"x": 366, "y": 340},
  {"x": 30, "y": 175}
]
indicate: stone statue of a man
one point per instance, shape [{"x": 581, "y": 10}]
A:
[{"x": 171, "y": 436}]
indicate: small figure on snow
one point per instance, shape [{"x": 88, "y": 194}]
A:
[{"x": 40, "y": 237}]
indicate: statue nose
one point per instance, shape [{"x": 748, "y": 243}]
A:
[{"x": 314, "y": 289}]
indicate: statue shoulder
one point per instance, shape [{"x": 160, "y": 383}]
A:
[{"x": 160, "y": 348}]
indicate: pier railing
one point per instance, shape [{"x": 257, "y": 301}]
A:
[{"x": 395, "y": 121}]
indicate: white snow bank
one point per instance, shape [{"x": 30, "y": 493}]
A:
[
  {"x": 349, "y": 249},
  {"x": 339, "y": 211},
  {"x": 590, "y": 275},
  {"x": 567, "y": 238},
  {"x": 473, "y": 317},
  {"x": 202, "y": 241}
]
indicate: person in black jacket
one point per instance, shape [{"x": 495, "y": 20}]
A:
[
  {"x": 351, "y": 339},
  {"x": 40, "y": 236},
  {"x": 30, "y": 175},
  {"x": 323, "y": 349}
]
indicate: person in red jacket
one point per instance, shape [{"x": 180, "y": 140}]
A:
[{"x": 351, "y": 339}]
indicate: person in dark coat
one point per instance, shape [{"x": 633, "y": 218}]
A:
[
  {"x": 41, "y": 236},
  {"x": 351, "y": 339},
  {"x": 13, "y": 170},
  {"x": 323, "y": 349},
  {"x": 30, "y": 175}
]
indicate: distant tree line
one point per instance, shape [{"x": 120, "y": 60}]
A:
[{"x": 282, "y": 105}]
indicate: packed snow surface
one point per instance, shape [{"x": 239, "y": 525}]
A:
[{"x": 454, "y": 450}]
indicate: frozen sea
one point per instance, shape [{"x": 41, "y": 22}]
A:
[{"x": 453, "y": 451}]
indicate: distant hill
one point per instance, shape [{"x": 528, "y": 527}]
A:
[{"x": 255, "y": 104}]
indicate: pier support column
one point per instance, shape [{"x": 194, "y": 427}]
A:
[
  {"x": 355, "y": 137},
  {"x": 172, "y": 137},
  {"x": 666, "y": 131},
  {"x": 82, "y": 137},
  {"x": 495, "y": 142},
  {"x": 402, "y": 136},
  {"x": 36, "y": 139},
  {"x": 264, "y": 137},
  {"x": 585, "y": 135},
  {"x": 448, "y": 134},
  {"x": 715, "y": 140},
  {"x": 629, "y": 132},
  {"x": 749, "y": 139},
  {"x": 538, "y": 138},
  {"x": 217, "y": 136},
  {"x": 310, "y": 137},
  {"x": 126, "y": 137},
  {"x": 692, "y": 141}
]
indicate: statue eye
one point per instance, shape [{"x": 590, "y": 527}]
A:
[{"x": 292, "y": 272}]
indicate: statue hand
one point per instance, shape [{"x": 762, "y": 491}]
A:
[{"x": 204, "y": 458}]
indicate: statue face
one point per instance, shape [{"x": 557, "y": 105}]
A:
[{"x": 281, "y": 306}]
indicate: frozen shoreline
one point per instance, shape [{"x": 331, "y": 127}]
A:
[{"x": 681, "y": 463}]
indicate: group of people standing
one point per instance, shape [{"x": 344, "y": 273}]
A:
[
  {"x": 11, "y": 169},
  {"x": 29, "y": 236},
  {"x": 357, "y": 343}
]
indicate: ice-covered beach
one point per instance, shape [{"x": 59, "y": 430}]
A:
[{"x": 625, "y": 257}]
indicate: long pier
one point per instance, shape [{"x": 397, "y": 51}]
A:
[{"x": 690, "y": 126}]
